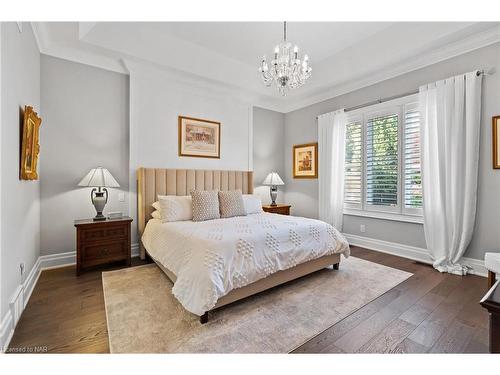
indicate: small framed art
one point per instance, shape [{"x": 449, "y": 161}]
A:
[
  {"x": 30, "y": 146},
  {"x": 496, "y": 142},
  {"x": 305, "y": 160},
  {"x": 199, "y": 138}
]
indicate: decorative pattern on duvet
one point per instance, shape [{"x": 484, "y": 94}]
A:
[{"x": 213, "y": 257}]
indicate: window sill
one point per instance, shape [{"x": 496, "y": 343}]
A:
[{"x": 385, "y": 216}]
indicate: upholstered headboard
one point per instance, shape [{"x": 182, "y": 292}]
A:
[{"x": 152, "y": 182}]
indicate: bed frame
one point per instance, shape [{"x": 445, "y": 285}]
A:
[{"x": 155, "y": 181}]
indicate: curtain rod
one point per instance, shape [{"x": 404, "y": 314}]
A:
[{"x": 378, "y": 101}]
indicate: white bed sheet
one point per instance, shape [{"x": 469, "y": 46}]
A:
[{"x": 211, "y": 258}]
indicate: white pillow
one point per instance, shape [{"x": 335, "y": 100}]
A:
[
  {"x": 156, "y": 206},
  {"x": 253, "y": 204},
  {"x": 156, "y": 214},
  {"x": 175, "y": 208}
]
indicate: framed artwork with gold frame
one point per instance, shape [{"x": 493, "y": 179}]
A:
[
  {"x": 199, "y": 138},
  {"x": 496, "y": 142},
  {"x": 30, "y": 146},
  {"x": 305, "y": 160}
]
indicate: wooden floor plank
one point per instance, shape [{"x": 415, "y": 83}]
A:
[
  {"x": 352, "y": 341},
  {"x": 66, "y": 314},
  {"x": 429, "y": 331},
  {"x": 387, "y": 340},
  {"x": 479, "y": 342},
  {"x": 330, "y": 335},
  {"x": 455, "y": 339},
  {"x": 408, "y": 346}
]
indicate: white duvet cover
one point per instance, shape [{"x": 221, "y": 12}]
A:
[{"x": 211, "y": 258}]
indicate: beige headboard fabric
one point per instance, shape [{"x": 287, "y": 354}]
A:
[{"x": 152, "y": 182}]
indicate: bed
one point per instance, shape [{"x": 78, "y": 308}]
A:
[{"x": 217, "y": 262}]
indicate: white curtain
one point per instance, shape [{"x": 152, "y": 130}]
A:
[
  {"x": 331, "y": 149},
  {"x": 451, "y": 116}
]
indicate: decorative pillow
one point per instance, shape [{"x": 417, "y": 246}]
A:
[
  {"x": 205, "y": 205},
  {"x": 175, "y": 208},
  {"x": 156, "y": 206},
  {"x": 253, "y": 204},
  {"x": 231, "y": 203},
  {"x": 156, "y": 214}
]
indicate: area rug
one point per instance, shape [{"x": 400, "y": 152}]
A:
[{"x": 144, "y": 317}]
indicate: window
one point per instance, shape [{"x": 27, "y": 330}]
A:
[
  {"x": 353, "y": 165},
  {"x": 382, "y": 160},
  {"x": 412, "y": 167}
]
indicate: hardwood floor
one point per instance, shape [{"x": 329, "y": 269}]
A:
[{"x": 429, "y": 312}]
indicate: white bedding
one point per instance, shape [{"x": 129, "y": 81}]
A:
[{"x": 213, "y": 257}]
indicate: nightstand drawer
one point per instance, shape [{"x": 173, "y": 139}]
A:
[
  {"x": 101, "y": 242},
  {"x": 109, "y": 251},
  {"x": 105, "y": 232}
]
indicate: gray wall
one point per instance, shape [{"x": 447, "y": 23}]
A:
[
  {"x": 20, "y": 214},
  {"x": 85, "y": 125},
  {"x": 301, "y": 127},
  {"x": 268, "y": 150}
]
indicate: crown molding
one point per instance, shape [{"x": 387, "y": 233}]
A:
[
  {"x": 41, "y": 35},
  {"x": 106, "y": 60},
  {"x": 136, "y": 67},
  {"x": 84, "y": 28},
  {"x": 471, "y": 43}
]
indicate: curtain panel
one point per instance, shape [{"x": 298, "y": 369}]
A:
[
  {"x": 450, "y": 116},
  {"x": 331, "y": 150}
]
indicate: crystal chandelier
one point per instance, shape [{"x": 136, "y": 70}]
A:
[{"x": 286, "y": 69}]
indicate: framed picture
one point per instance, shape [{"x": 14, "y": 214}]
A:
[
  {"x": 30, "y": 144},
  {"x": 305, "y": 161},
  {"x": 199, "y": 138},
  {"x": 496, "y": 142}
]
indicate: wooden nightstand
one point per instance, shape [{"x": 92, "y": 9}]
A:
[
  {"x": 282, "y": 209},
  {"x": 100, "y": 242}
]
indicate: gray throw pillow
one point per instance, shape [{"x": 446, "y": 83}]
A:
[
  {"x": 231, "y": 203},
  {"x": 205, "y": 205}
]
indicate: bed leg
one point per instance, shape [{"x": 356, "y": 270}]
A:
[
  {"x": 336, "y": 266},
  {"x": 204, "y": 318}
]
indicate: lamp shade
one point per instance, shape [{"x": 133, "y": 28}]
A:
[
  {"x": 99, "y": 177},
  {"x": 273, "y": 179}
]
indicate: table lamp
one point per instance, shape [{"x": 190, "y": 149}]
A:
[
  {"x": 99, "y": 178},
  {"x": 273, "y": 180}
]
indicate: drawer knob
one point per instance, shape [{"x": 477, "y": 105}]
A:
[{"x": 104, "y": 251}]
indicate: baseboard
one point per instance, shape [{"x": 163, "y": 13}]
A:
[
  {"x": 21, "y": 296},
  {"x": 69, "y": 258},
  {"x": 411, "y": 252},
  {"x": 6, "y": 331}
]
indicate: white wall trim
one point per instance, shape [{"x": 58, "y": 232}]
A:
[
  {"x": 385, "y": 215},
  {"x": 6, "y": 331},
  {"x": 463, "y": 46},
  {"x": 410, "y": 252},
  {"x": 21, "y": 296},
  {"x": 106, "y": 61}
]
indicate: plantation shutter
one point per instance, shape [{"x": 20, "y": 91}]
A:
[
  {"x": 382, "y": 162},
  {"x": 412, "y": 166},
  {"x": 353, "y": 165}
]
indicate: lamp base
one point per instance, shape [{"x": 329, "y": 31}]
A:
[
  {"x": 99, "y": 217},
  {"x": 99, "y": 200},
  {"x": 274, "y": 195}
]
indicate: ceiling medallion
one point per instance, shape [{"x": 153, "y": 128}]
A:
[{"x": 287, "y": 70}]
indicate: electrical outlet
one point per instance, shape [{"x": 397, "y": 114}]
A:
[
  {"x": 121, "y": 197},
  {"x": 21, "y": 267},
  {"x": 362, "y": 228}
]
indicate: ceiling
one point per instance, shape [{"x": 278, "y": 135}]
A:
[{"x": 344, "y": 55}]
